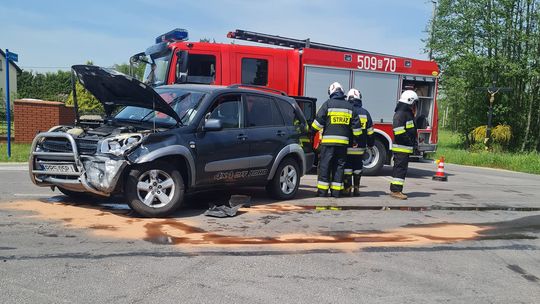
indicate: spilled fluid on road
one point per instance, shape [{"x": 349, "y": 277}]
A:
[{"x": 116, "y": 221}]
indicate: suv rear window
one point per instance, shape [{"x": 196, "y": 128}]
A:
[
  {"x": 287, "y": 111},
  {"x": 254, "y": 71},
  {"x": 262, "y": 111}
]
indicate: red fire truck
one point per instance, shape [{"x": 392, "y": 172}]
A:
[{"x": 303, "y": 68}]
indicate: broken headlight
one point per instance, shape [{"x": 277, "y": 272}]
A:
[
  {"x": 120, "y": 144},
  {"x": 102, "y": 173}
]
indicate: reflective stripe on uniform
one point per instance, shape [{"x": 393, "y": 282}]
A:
[
  {"x": 316, "y": 125},
  {"x": 355, "y": 151},
  {"x": 348, "y": 171},
  {"x": 337, "y": 186},
  {"x": 399, "y": 130},
  {"x": 403, "y": 149},
  {"x": 397, "y": 181},
  {"x": 357, "y": 132},
  {"x": 323, "y": 185},
  {"x": 335, "y": 139},
  {"x": 363, "y": 120},
  {"x": 370, "y": 131},
  {"x": 409, "y": 124},
  {"x": 339, "y": 110},
  {"x": 357, "y": 172},
  {"x": 304, "y": 140}
]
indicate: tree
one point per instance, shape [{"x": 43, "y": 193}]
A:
[
  {"x": 137, "y": 69},
  {"x": 476, "y": 41},
  {"x": 87, "y": 103},
  {"x": 49, "y": 86},
  {"x": 207, "y": 40}
]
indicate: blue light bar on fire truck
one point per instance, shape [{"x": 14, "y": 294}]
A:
[{"x": 174, "y": 35}]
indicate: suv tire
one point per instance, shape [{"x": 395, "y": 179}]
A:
[
  {"x": 154, "y": 189},
  {"x": 375, "y": 157},
  {"x": 286, "y": 180}
]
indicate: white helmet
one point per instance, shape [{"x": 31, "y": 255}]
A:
[
  {"x": 334, "y": 87},
  {"x": 408, "y": 97},
  {"x": 354, "y": 94}
]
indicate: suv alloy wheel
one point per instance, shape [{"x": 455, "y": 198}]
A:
[
  {"x": 154, "y": 189},
  {"x": 286, "y": 180}
]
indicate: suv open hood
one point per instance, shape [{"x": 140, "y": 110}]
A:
[{"x": 114, "y": 89}]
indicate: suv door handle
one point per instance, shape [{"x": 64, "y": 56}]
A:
[
  {"x": 281, "y": 133},
  {"x": 242, "y": 137}
]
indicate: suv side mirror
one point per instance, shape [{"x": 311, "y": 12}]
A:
[{"x": 213, "y": 125}]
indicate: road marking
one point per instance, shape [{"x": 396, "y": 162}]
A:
[
  {"x": 488, "y": 168},
  {"x": 13, "y": 168},
  {"x": 31, "y": 194}
]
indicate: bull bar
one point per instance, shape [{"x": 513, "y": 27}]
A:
[{"x": 78, "y": 181}]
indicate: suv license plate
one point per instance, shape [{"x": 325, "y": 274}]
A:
[{"x": 58, "y": 168}]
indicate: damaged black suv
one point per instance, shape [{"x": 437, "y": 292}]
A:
[{"x": 155, "y": 145}]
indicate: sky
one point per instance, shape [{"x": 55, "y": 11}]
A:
[{"x": 55, "y": 34}]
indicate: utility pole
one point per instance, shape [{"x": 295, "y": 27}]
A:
[
  {"x": 433, "y": 14},
  {"x": 492, "y": 91}
]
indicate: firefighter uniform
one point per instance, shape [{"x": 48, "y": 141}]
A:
[
  {"x": 404, "y": 141},
  {"x": 357, "y": 148},
  {"x": 336, "y": 119}
]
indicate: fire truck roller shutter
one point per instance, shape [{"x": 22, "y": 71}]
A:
[
  {"x": 379, "y": 94},
  {"x": 317, "y": 80}
]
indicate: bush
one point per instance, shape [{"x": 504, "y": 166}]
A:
[
  {"x": 500, "y": 136},
  {"x": 479, "y": 134},
  {"x": 87, "y": 103}
]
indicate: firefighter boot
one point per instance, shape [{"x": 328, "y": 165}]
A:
[
  {"x": 347, "y": 183},
  {"x": 336, "y": 193},
  {"x": 398, "y": 195},
  {"x": 356, "y": 191},
  {"x": 322, "y": 193}
]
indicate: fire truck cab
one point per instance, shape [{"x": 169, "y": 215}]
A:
[{"x": 304, "y": 68}]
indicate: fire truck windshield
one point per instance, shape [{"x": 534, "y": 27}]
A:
[{"x": 155, "y": 73}]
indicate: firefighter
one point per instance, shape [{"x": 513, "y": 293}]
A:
[
  {"x": 404, "y": 141},
  {"x": 336, "y": 119},
  {"x": 358, "y": 145}
]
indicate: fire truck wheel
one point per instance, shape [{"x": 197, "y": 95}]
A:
[
  {"x": 286, "y": 180},
  {"x": 374, "y": 158},
  {"x": 154, "y": 189}
]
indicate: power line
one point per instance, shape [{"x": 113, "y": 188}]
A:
[
  {"x": 53, "y": 67},
  {"x": 45, "y": 67}
]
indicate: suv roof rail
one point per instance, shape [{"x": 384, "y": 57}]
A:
[{"x": 238, "y": 85}]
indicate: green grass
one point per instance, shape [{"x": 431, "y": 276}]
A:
[
  {"x": 19, "y": 152},
  {"x": 450, "y": 147},
  {"x": 3, "y": 128}
]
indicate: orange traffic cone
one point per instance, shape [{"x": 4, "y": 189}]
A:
[{"x": 440, "y": 176}]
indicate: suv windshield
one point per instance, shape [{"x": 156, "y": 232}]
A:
[
  {"x": 155, "y": 73},
  {"x": 184, "y": 102}
]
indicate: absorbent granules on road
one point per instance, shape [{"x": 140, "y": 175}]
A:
[{"x": 103, "y": 221}]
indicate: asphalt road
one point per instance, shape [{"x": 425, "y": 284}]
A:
[{"x": 473, "y": 239}]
